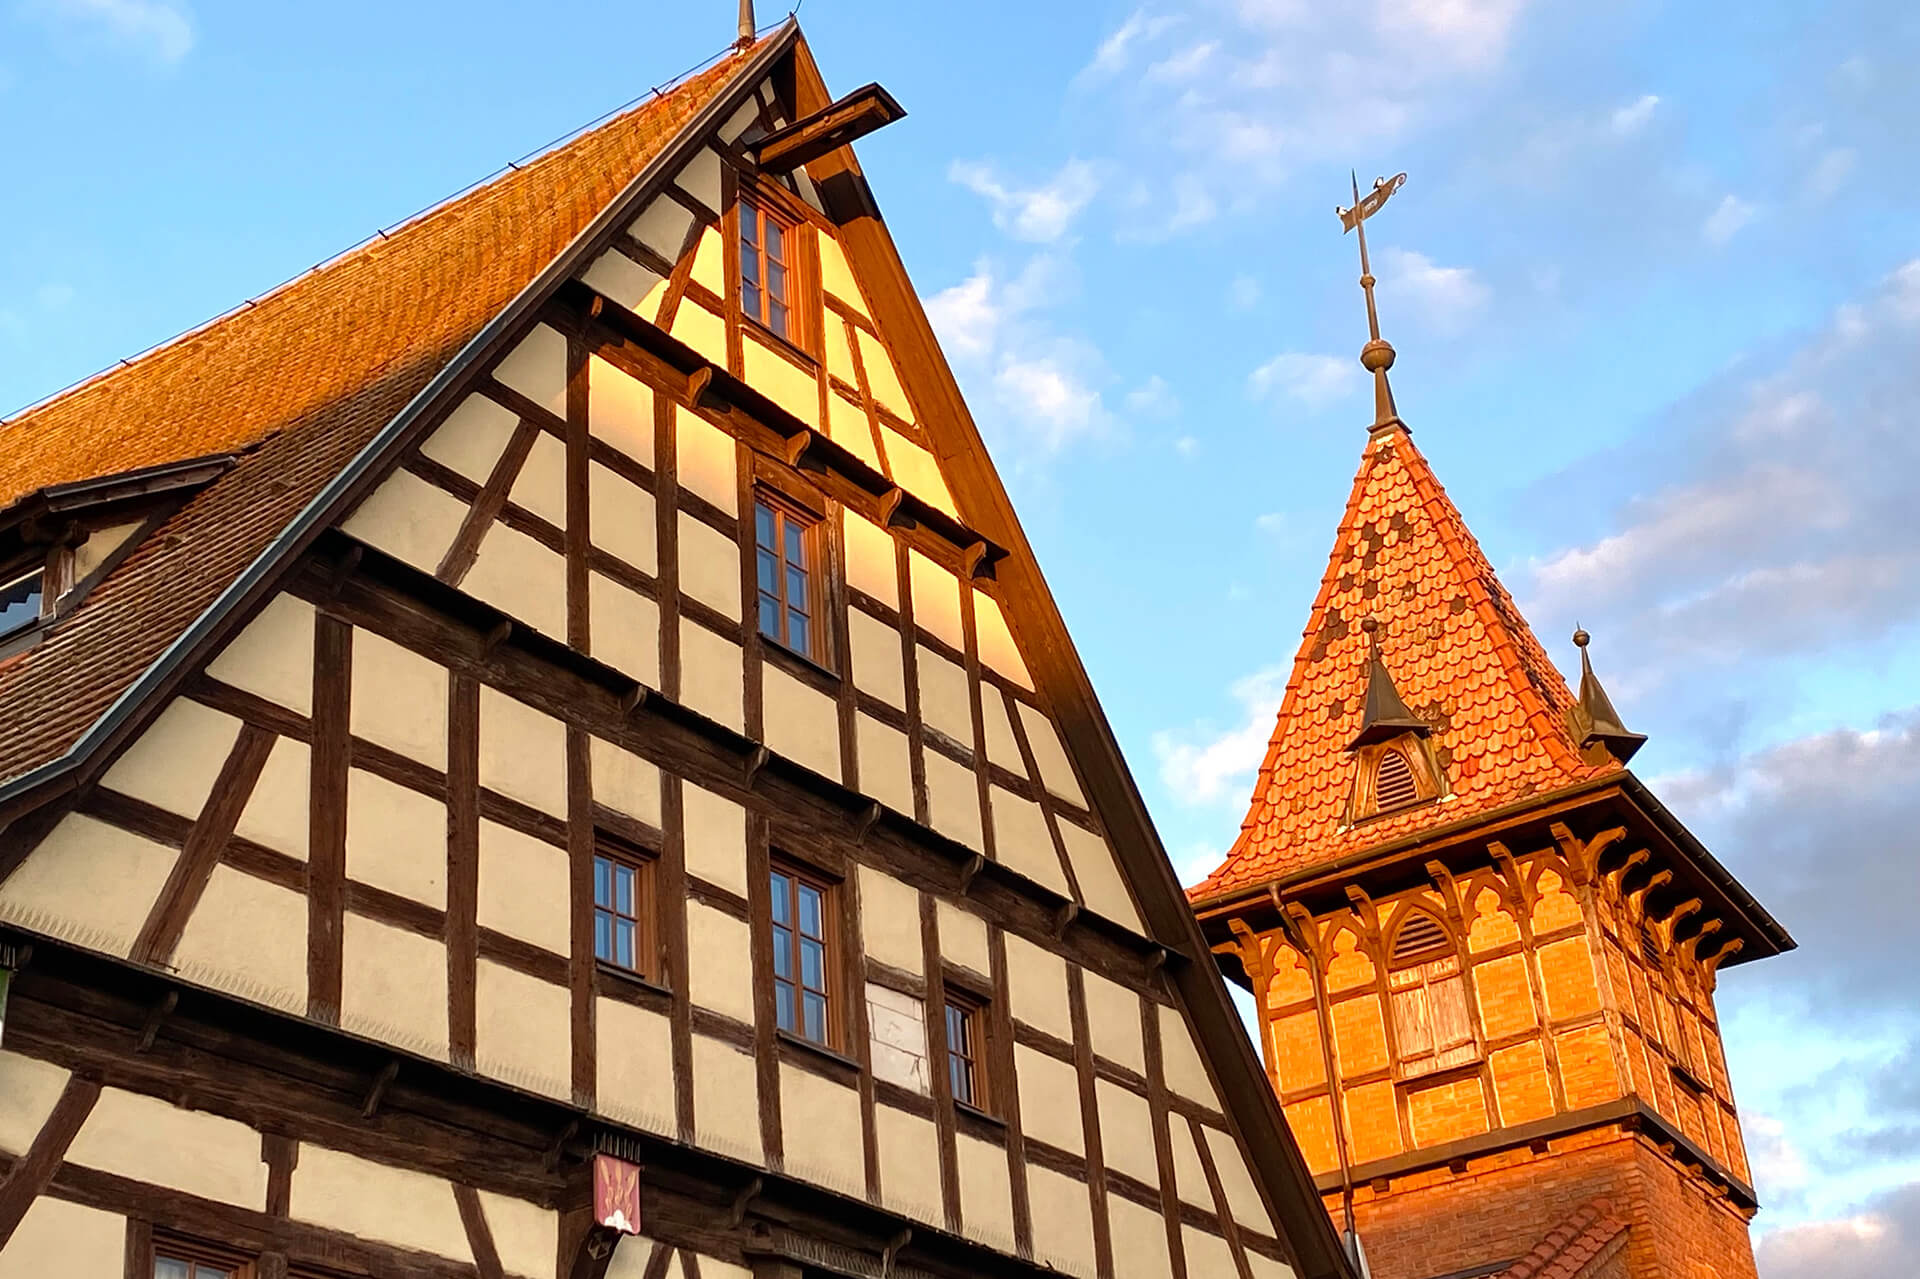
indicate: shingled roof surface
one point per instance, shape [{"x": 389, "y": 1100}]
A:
[
  {"x": 299, "y": 382},
  {"x": 1575, "y": 1248},
  {"x": 1459, "y": 652}
]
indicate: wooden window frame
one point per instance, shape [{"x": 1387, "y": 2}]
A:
[
  {"x": 831, "y": 990},
  {"x": 1363, "y": 804},
  {"x": 621, "y": 853},
  {"x": 798, "y": 295},
  {"x": 1429, "y": 969},
  {"x": 40, "y": 568},
  {"x": 973, "y": 1011},
  {"x": 814, "y": 543},
  {"x": 196, "y": 1253}
]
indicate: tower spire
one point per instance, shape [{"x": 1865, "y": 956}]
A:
[
  {"x": 747, "y": 24},
  {"x": 1595, "y": 722},
  {"x": 1377, "y": 355}
]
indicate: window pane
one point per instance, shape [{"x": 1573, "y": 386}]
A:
[
  {"x": 749, "y": 223},
  {"x": 816, "y": 1011},
  {"x": 809, "y": 911},
  {"x": 797, "y": 636},
  {"x": 796, "y": 545},
  {"x": 782, "y": 894},
  {"x": 750, "y": 267},
  {"x": 20, "y": 602},
  {"x": 767, "y": 569},
  {"x": 750, "y": 299},
  {"x": 782, "y": 953},
  {"x": 777, "y": 317},
  {"x": 623, "y": 944},
  {"x": 776, "y": 282},
  {"x": 776, "y": 241},
  {"x": 813, "y": 965},
  {"x": 602, "y": 882},
  {"x": 168, "y": 1268},
  {"x": 623, "y": 889},
  {"x": 770, "y": 616},
  {"x": 956, "y": 1029},
  {"x": 763, "y": 521},
  {"x": 961, "y": 1077},
  {"x": 602, "y": 935},
  {"x": 797, "y": 587},
  {"x": 783, "y": 1006}
]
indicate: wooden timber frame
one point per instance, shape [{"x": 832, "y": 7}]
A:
[{"x": 492, "y": 1131}]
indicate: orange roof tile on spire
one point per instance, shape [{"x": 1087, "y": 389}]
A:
[{"x": 1460, "y": 654}]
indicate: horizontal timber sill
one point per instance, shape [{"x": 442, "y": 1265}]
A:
[{"x": 854, "y": 483}]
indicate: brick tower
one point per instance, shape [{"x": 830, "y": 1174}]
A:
[{"x": 1483, "y": 953}]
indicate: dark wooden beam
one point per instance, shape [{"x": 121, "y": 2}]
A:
[{"x": 853, "y": 117}]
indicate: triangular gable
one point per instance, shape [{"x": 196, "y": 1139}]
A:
[{"x": 1459, "y": 652}]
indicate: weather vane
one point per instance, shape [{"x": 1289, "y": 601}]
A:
[{"x": 1377, "y": 355}]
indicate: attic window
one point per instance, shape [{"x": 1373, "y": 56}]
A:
[
  {"x": 20, "y": 600},
  {"x": 766, "y": 268},
  {"x": 1394, "y": 786}
]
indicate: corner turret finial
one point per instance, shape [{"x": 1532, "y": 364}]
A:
[
  {"x": 1377, "y": 355},
  {"x": 747, "y": 24},
  {"x": 1596, "y": 725},
  {"x": 1385, "y": 714}
]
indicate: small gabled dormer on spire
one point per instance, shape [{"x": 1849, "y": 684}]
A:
[
  {"x": 1377, "y": 355},
  {"x": 1395, "y": 765},
  {"x": 1596, "y": 725}
]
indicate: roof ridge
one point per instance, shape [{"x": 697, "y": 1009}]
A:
[{"x": 527, "y": 163}]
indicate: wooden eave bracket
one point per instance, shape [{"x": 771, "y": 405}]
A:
[
  {"x": 853, "y": 117},
  {"x": 737, "y": 1212},
  {"x": 1063, "y": 919},
  {"x": 156, "y": 1017},
  {"x": 377, "y": 1091},
  {"x": 975, "y": 864}
]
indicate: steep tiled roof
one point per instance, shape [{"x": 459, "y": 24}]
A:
[
  {"x": 299, "y": 382},
  {"x": 1574, "y": 1248},
  {"x": 1460, "y": 654}
]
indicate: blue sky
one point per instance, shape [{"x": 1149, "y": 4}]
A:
[{"x": 1653, "y": 281}]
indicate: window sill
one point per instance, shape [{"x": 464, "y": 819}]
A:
[
  {"x": 1444, "y": 1074},
  {"x": 798, "y": 664},
  {"x": 969, "y": 1113},
  {"x": 782, "y": 346},
  {"x": 635, "y": 981},
  {"x": 790, "y": 1042}
]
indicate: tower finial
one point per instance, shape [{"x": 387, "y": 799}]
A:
[
  {"x": 1596, "y": 725},
  {"x": 747, "y": 24},
  {"x": 1377, "y": 355}
]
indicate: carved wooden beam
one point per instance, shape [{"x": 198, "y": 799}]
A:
[
  {"x": 377, "y": 1091},
  {"x": 1691, "y": 946},
  {"x": 1618, "y": 875},
  {"x": 1638, "y": 898},
  {"x": 834, "y": 126},
  {"x": 1679, "y": 913},
  {"x": 1712, "y": 962},
  {"x": 737, "y": 1213},
  {"x": 155, "y": 1018},
  {"x": 1449, "y": 889},
  {"x": 975, "y": 864},
  {"x": 1063, "y": 919},
  {"x": 1517, "y": 895}
]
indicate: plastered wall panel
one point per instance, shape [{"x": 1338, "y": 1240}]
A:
[
  {"x": 986, "y": 1191},
  {"x": 820, "y": 1121},
  {"x": 915, "y": 470},
  {"x": 88, "y": 882},
  {"x": 396, "y": 839},
  {"x": 1139, "y": 1241},
  {"x": 944, "y": 702},
  {"x": 99, "y": 546},
  {"x": 801, "y": 722},
  {"x": 537, "y": 368},
  {"x": 1113, "y": 1018},
  {"x": 836, "y": 277},
  {"x": 1207, "y": 1253},
  {"x": 847, "y": 422},
  {"x": 953, "y": 799},
  {"x": 619, "y": 277},
  {"x": 541, "y": 486},
  {"x": 624, "y": 782},
  {"x": 877, "y": 665},
  {"x": 1098, "y": 874},
  {"x": 1189, "y": 1174},
  {"x": 776, "y": 377},
  {"x": 398, "y": 1206},
  {"x": 523, "y": 753},
  {"x": 624, "y": 626},
  {"x": 725, "y": 1092},
  {"x": 394, "y": 986},
  {"x": 29, "y": 1088},
  {"x": 634, "y": 1081},
  {"x": 1037, "y": 986},
  {"x": 521, "y": 578},
  {"x": 174, "y": 763},
  {"x": 909, "y": 1163},
  {"x": 721, "y": 953},
  {"x": 523, "y": 1029},
  {"x": 1049, "y": 1099},
  {"x": 1126, "y": 1132},
  {"x": 936, "y": 600},
  {"x": 1243, "y": 1198},
  {"x": 472, "y": 438},
  {"x": 890, "y": 920},
  {"x": 897, "y": 1027},
  {"x": 663, "y": 227},
  {"x": 702, "y": 330},
  {"x": 706, "y": 461},
  {"x": 399, "y": 699},
  {"x": 716, "y": 838},
  {"x": 523, "y": 888},
  {"x": 701, "y": 180},
  {"x": 1050, "y": 756},
  {"x": 273, "y": 656},
  {"x": 886, "y": 766},
  {"x": 709, "y": 566},
  {"x": 711, "y": 675},
  {"x": 620, "y": 408},
  {"x": 871, "y": 566},
  {"x": 622, "y": 517},
  {"x": 1022, "y": 841},
  {"x": 840, "y": 361},
  {"x": 147, "y": 1139},
  {"x": 409, "y": 519},
  {"x": 249, "y": 937},
  {"x": 525, "y": 1235},
  {"x": 1186, "y": 1074},
  {"x": 881, "y": 378},
  {"x": 1063, "y": 1221},
  {"x": 1003, "y": 748},
  {"x": 998, "y": 652},
  {"x": 70, "y": 1240},
  {"x": 963, "y": 938}
]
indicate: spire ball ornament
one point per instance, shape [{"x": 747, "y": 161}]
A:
[
  {"x": 1580, "y": 637},
  {"x": 1376, "y": 357}
]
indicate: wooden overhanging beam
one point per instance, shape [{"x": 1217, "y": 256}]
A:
[{"x": 828, "y": 129}]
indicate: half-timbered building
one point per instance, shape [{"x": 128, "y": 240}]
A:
[
  {"x": 1482, "y": 951},
  {"x": 539, "y": 748}
]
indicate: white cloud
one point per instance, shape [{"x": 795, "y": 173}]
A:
[
  {"x": 1042, "y": 213},
  {"x": 157, "y": 29},
  {"x": 1186, "y": 446},
  {"x": 1153, "y": 399},
  {"x": 1447, "y": 298},
  {"x": 1185, "y": 64},
  {"x": 1469, "y": 33},
  {"x": 1630, "y": 119},
  {"x": 1830, "y": 173},
  {"x": 1050, "y": 394},
  {"x": 1116, "y": 51},
  {"x": 1199, "y": 768},
  {"x": 1314, "y": 380},
  {"x": 966, "y": 315},
  {"x": 1727, "y": 218}
]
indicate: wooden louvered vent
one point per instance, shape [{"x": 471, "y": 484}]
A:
[
  {"x": 1419, "y": 935},
  {"x": 1394, "y": 786},
  {"x": 1432, "y": 1030}
]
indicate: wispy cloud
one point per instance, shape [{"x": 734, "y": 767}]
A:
[
  {"x": 155, "y": 29},
  {"x": 1040, "y": 213},
  {"x": 1314, "y": 380},
  {"x": 1630, "y": 119},
  {"x": 1206, "y": 766},
  {"x": 1731, "y": 214},
  {"x": 1447, "y": 298}
]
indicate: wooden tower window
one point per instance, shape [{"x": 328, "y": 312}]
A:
[
  {"x": 787, "y": 563},
  {"x": 1429, "y": 996},
  {"x": 766, "y": 268},
  {"x": 802, "y": 956},
  {"x": 622, "y": 912},
  {"x": 966, "y": 1038}
]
